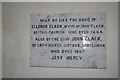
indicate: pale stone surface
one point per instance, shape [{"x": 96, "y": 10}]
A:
[
  {"x": 87, "y": 29},
  {"x": 16, "y": 40}
]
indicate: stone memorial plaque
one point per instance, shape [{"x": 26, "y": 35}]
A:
[{"x": 68, "y": 40}]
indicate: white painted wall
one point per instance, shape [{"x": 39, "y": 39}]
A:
[
  {"x": 16, "y": 40},
  {"x": 0, "y": 40}
]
